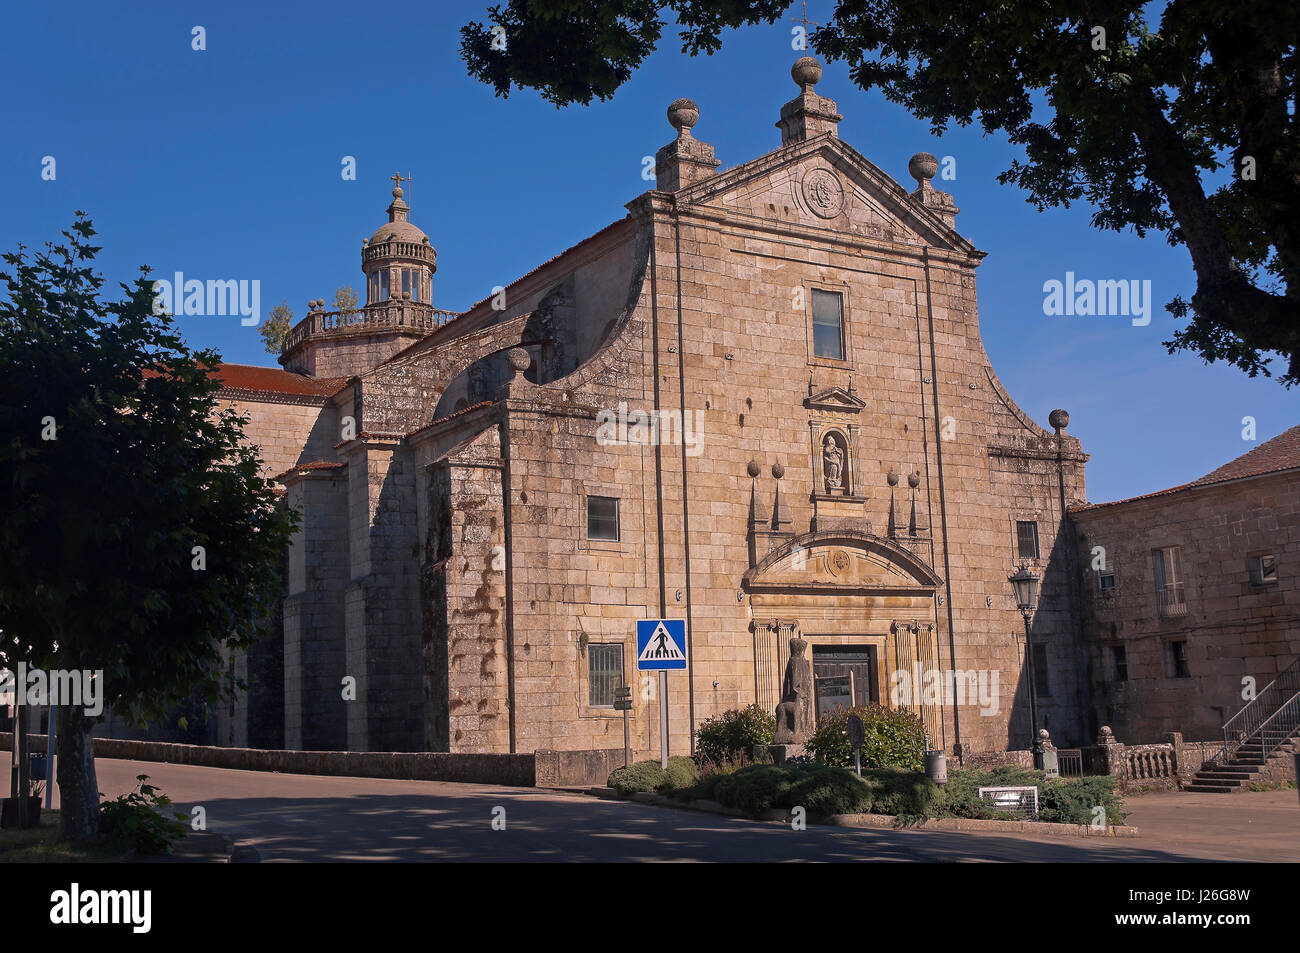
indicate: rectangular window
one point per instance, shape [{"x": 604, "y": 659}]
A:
[
  {"x": 1027, "y": 539},
  {"x": 383, "y": 285},
  {"x": 828, "y": 324},
  {"x": 604, "y": 674},
  {"x": 406, "y": 282},
  {"x": 602, "y": 518},
  {"x": 1176, "y": 660},
  {"x": 1170, "y": 598},
  {"x": 1105, "y": 579},
  {"x": 1119, "y": 663},
  {"x": 1263, "y": 569},
  {"x": 1042, "y": 684}
]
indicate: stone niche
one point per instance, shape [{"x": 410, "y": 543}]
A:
[{"x": 838, "y": 494}]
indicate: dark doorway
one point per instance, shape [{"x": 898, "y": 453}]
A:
[{"x": 858, "y": 660}]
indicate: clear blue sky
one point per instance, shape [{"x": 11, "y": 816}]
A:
[{"x": 226, "y": 164}]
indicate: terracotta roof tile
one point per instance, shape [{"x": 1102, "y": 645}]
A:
[
  {"x": 1280, "y": 453},
  {"x": 1271, "y": 456},
  {"x": 313, "y": 465},
  {"x": 273, "y": 380}
]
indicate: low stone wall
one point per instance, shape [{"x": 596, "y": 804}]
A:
[
  {"x": 988, "y": 760},
  {"x": 543, "y": 769},
  {"x": 557, "y": 769}
]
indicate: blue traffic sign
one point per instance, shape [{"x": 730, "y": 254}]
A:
[{"x": 660, "y": 644}]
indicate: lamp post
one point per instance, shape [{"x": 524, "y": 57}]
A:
[{"x": 1025, "y": 584}]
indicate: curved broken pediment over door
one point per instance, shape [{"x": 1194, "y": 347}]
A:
[{"x": 849, "y": 594}]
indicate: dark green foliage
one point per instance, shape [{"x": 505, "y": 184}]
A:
[
  {"x": 137, "y": 820},
  {"x": 639, "y": 777},
  {"x": 892, "y": 738},
  {"x": 681, "y": 773},
  {"x": 731, "y": 735},
  {"x": 1074, "y": 801},
  {"x": 900, "y": 792},
  {"x": 98, "y": 567},
  {"x": 1062, "y": 801},
  {"x": 1181, "y": 120},
  {"x": 646, "y": 776}
]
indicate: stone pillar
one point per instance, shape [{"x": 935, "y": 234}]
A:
[
  {"x": 685, "y": 160},
  {"x": 807, "y": 115},
  {"x": 313, "y": 611},
  {"x": 1107, "y": 755}
]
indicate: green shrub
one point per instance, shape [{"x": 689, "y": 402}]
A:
[
  {"x": 136, "y": 819},
  {"x": 682, "y": 773},
  {"x": 637, "y": 778},
  {"x": 825, "y": 790},
  {"x": 818, "y": 788},
  {"x": 1074, "y": 801},
  {"x": 645, "y": 776},
  {"x": 892, "y": 738},
  {"x": 731, "y": 735},
  {"x": 1061, "y": 801},
  {"x": 901, "y": 792}
]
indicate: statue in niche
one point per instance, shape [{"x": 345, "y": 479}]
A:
[
  {"x": 833, "y": 465},
  {"x": 794, "y": 716}
]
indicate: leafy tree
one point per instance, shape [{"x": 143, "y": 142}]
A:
[
  {"x": 345, "y": 299},
  {"x": 139, "y": 538},
  {"x": 1177, "y": 117},
  {"x": 276, "y": 327}
]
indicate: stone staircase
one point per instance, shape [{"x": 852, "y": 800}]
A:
[
  {"x": 1256, "y": 740},
  {"x": 1239, "y": 772}
]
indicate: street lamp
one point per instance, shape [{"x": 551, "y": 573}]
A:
[{"x": 1025, "y": 584}]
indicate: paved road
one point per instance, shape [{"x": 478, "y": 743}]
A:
[{"x": 306, "y": 818}]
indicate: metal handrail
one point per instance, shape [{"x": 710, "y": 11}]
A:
[
  {"x": 1259, "y": 711},
  {"x": 1289, "y": 714}
]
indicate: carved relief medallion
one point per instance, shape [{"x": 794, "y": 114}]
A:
[
  {"x": 839, "y": 561},
  {"x": 823, "y": 192}
]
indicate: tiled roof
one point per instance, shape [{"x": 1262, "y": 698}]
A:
[
  {"x": 1280, "y": 453},
  {"x": 1271, "y": 456},
  {"x": 313, "y": 465},
  {"x": 273, "y": 380}
]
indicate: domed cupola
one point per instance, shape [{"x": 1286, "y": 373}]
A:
[{"x": 397, "y": 259}]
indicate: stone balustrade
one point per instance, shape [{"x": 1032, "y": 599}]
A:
[{"x": 394, "y": 313}]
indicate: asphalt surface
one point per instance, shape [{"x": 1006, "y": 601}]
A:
[{"x": 290, "y": 817}]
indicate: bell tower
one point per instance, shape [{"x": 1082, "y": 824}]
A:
[{"x": 398, "y": 263}]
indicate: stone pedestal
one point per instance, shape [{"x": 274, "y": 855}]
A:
[{"x": 777, "y": 754}]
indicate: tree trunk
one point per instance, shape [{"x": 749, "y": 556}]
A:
[
  {"x": 78, "y": 787},
  {"x": 24, "y": 765}
]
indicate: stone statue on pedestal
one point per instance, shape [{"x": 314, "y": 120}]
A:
[{"x": 794, "y": 716}]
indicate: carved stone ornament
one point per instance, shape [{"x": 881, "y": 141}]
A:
[{"x": 824, "y": 193}]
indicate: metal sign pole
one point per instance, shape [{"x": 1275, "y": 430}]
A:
[{"x": 663, "y": 719}]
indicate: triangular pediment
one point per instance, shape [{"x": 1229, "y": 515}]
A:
[
  {"x": 824, "y": 183},
  {"x": 835, "y": 399}
]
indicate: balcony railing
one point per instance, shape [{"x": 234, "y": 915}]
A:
[
  {"x": 394, "y": 313},
  {"x": 1171, "y": 600}
]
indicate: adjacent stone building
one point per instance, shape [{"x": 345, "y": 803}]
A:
[
  {"x": 1191, "y": 603},
  {"x": 757, "y": 402}
]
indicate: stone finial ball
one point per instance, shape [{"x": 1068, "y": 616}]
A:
[
  {"x": 806, "y": 71},
  {"x": 892, "y": 478},
  {"x": 923, "y": 166},
  {"x": 752, "y": 468},
  {"x": 683, "y": 114},
  {"x": 1059, "y": 419},
  {"x": 519, "y": 359},
  {"x": 914, "y": 480},
  {"x": 778, "y": 470}
]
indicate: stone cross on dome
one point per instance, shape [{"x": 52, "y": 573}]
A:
[{"x": 399, "y": 179}]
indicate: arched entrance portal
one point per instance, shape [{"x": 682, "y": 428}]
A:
[{"x": 866, "y": 606}]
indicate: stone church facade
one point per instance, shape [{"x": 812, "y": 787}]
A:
[{"x": 758, "y": 402}]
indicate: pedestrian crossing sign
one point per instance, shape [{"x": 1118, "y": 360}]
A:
[{"x": 660, "y": 644}]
